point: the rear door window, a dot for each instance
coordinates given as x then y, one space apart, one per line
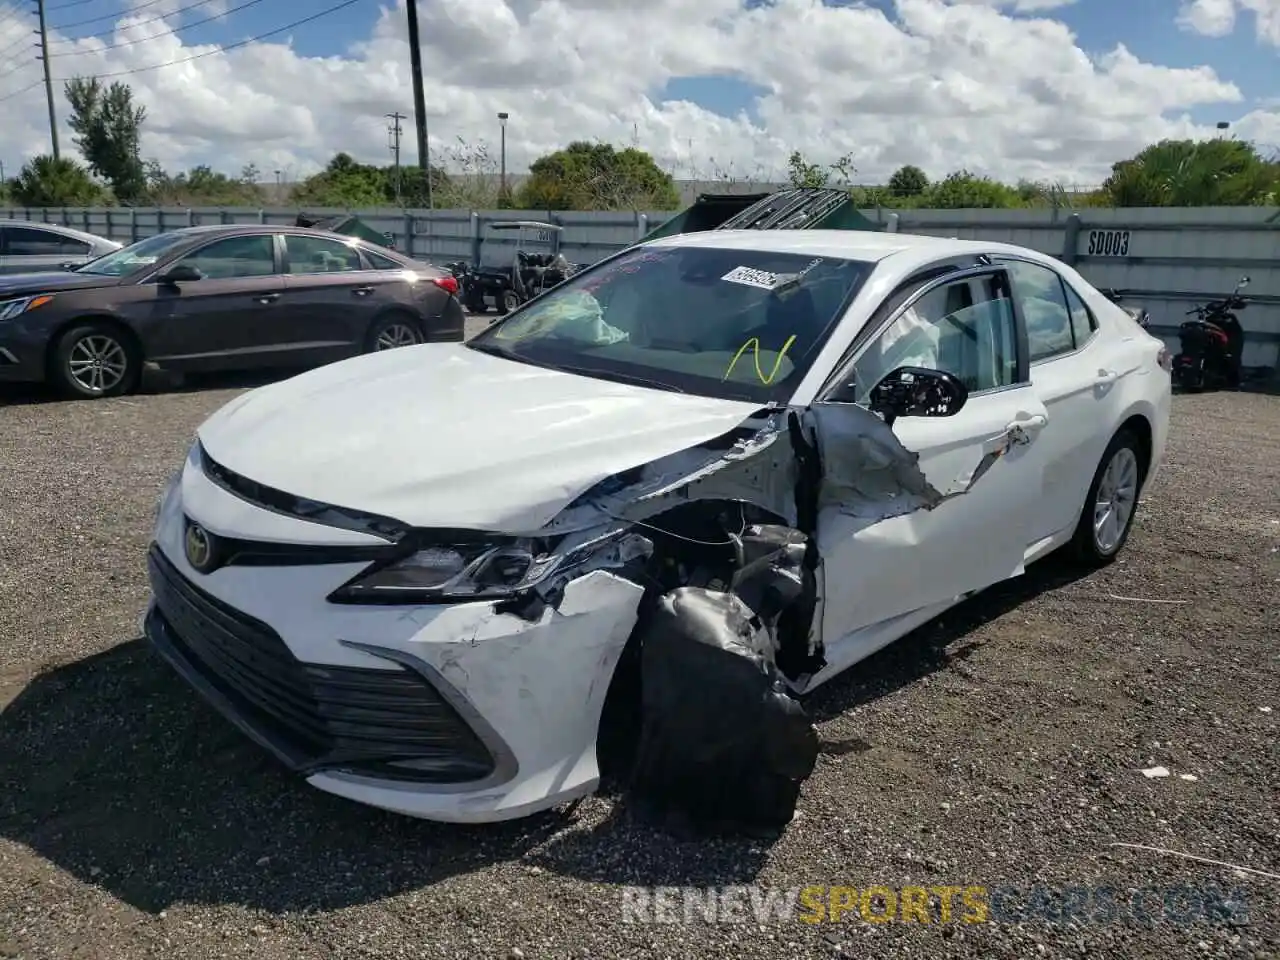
310 255
1042 297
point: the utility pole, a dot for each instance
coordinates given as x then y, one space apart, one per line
395 130
48 81
419 98
502 154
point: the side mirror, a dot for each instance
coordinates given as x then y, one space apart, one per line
1244 282
182 273
918 392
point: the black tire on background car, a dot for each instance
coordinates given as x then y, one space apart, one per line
510 301
393 330
94 359
1112 503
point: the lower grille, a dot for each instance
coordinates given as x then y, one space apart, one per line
391 724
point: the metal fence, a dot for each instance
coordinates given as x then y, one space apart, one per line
437 236
1166 260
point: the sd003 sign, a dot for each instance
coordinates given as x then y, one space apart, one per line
1108 243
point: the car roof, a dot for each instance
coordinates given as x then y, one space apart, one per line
56 228
864 245
213 228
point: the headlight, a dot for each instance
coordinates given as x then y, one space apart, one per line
15 308
490 570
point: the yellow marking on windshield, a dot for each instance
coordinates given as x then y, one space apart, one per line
755 342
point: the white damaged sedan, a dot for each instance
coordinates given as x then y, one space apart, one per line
421 577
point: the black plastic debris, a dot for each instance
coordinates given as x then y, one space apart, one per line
723 747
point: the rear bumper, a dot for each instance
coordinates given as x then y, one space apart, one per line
451 326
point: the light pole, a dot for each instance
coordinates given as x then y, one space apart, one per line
502 155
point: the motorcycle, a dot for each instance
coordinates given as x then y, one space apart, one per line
1211 344
470 290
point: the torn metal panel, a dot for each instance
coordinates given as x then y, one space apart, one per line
722 747
868 472
885 494
753 464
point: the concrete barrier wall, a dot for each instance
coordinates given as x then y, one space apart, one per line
1165 259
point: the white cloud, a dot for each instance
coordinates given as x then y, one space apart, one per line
940 84
1217 18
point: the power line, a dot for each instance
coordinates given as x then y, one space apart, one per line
21 39
16 43
208 53
70 3
17 66
18 93
119 15
168 32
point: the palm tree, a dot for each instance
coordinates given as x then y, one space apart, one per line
46 182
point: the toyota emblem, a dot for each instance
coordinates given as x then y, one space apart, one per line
199 547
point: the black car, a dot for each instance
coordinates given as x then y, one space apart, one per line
218 298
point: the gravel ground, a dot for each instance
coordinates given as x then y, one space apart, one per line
1001 746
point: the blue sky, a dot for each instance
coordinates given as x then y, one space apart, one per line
1146 27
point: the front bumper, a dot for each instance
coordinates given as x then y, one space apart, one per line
22 352
453 712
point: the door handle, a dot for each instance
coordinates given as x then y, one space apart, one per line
1106 377
1023 430
362 291
267 297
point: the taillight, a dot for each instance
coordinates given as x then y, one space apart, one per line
448 284
1165 359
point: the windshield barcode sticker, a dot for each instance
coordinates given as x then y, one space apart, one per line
751 277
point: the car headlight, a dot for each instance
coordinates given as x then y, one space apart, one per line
15 308
491 569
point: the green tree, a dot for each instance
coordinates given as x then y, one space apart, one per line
46 182
595 176
108 131
202 186
1194 173
908 181
803 174
413 186
963 190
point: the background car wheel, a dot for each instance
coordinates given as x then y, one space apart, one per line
510 300
1112 503
93 360
397 330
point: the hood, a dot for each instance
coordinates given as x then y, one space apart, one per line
21 284
440 435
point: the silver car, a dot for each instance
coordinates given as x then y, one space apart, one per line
33 247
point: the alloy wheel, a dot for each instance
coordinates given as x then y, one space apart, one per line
98 363
1117 496
396 335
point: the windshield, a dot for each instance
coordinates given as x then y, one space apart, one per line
735 324
133 257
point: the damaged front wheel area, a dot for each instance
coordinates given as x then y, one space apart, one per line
699 724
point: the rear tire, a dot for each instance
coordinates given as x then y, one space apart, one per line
1112 503
510 301
93 360
391 331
